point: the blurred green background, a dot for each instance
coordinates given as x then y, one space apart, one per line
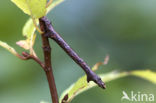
124 29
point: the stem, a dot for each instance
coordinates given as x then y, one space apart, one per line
51 33
47 60
27 56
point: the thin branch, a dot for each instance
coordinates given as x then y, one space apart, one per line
27 56
47 60
51 33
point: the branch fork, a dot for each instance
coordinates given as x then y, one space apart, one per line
48 32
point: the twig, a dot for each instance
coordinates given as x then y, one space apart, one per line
51 33
47 60
27 56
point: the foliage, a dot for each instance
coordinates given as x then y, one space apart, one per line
81 85
9 48
36 9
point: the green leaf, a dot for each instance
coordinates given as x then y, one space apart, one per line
29 28
145 74
81 85
35 8
9 48
29 33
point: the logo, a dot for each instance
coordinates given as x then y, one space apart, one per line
138 96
